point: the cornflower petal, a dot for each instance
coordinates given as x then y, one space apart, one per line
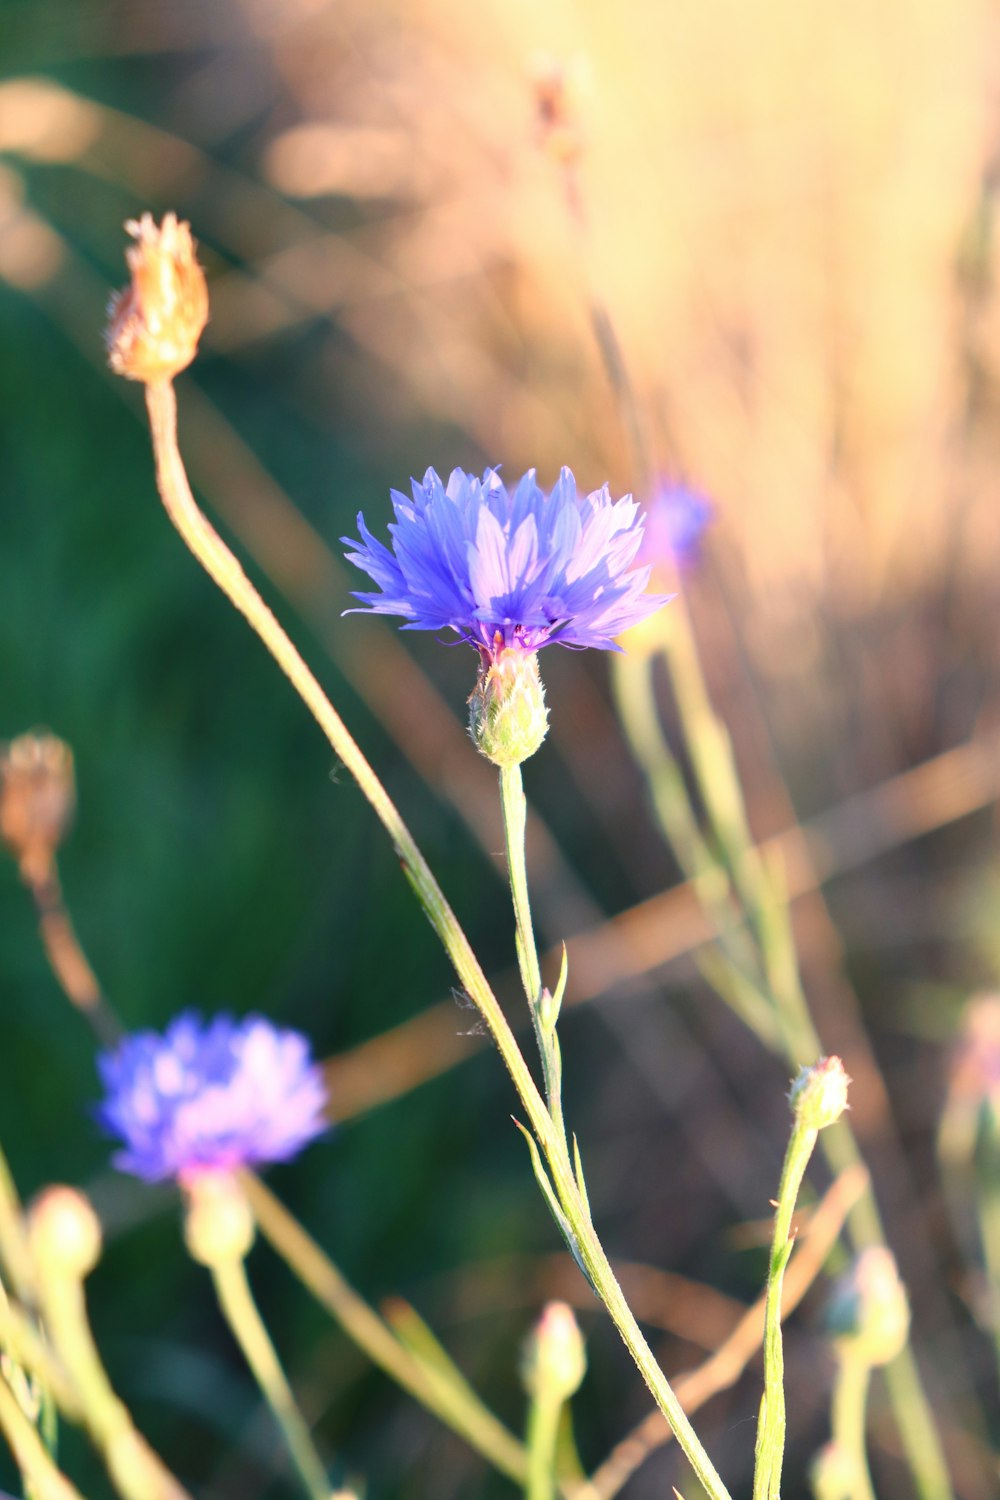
504 568
210 1095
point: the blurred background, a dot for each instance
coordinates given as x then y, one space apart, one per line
420 220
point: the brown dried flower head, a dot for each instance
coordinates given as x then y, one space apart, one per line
37 800
557 88
156 322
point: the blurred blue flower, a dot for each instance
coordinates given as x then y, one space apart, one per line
210 1094
676 518
506 568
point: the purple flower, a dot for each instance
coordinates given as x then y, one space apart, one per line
509 568
676 517
208 1095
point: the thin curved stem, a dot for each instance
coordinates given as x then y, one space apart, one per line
240 1309
223 568
850 1399
216 558
137 1472
771 1424
514 808
41 1476
455 1404
543 1432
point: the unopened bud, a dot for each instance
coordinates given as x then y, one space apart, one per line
64 1233
554 1362
508 719
156 322
818 1096
218 1222
37 800
869 1311
833 1473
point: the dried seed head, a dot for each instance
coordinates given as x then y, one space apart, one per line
557 88
37 800
155 322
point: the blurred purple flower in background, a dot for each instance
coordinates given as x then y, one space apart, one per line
510 568
205 1095
676 519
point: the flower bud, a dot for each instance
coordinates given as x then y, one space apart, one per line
833 1473
37 800
818 1096
554 1362
508 719
156 322
64 1233
218 1223
869 1312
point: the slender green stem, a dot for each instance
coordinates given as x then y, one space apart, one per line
21 1341
794 1032
240 1309
850 1399
542 1436
514 808
136 1471
771 1423
41 1476
15 1256
451 1400
223 568
216 558
988 1209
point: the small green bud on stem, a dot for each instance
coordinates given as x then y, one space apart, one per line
64 1234
219 1223
818 1097
869 1310
554 1362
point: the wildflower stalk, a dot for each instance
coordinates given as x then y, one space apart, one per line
543 1011
223 568
15 1256
987 1195
450 1399
543 1432
785 1024
770 1446
22 1342
241 1313
216 558
850 1400
68 961
42 1479
136 1471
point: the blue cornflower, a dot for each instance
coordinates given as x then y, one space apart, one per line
676 518
507 569
207 1095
